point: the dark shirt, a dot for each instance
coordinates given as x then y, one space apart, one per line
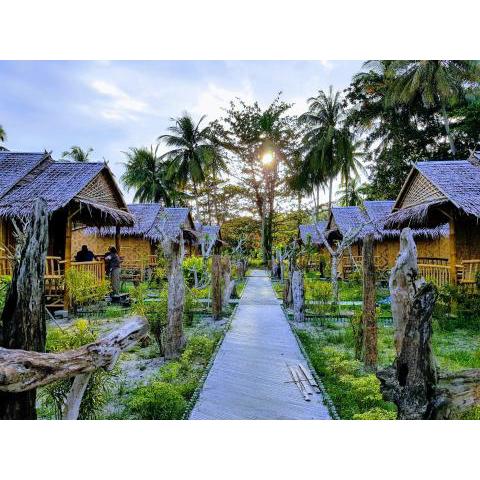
83 256
112 261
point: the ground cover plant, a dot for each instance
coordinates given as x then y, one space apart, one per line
355 392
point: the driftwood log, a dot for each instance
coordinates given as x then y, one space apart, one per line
23 371
23 321
298 293
413 382
369 318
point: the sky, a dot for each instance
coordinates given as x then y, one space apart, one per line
112 106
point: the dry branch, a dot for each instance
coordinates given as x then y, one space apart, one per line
21 370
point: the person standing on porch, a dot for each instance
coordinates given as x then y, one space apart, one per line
113 261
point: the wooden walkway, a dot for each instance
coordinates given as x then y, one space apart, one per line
249 378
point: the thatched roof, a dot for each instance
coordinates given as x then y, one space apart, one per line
373 216
345 220
89 187
151 221
435 187
379 210
15 165
208 236
309 233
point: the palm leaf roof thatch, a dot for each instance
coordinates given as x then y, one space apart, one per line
152 221
435 187
309 233
208 236
15 165
345 221
89 188
378 212
372 219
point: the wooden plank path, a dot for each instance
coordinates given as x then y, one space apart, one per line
250 378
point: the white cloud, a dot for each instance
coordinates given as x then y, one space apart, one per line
118 105
214 99
327 64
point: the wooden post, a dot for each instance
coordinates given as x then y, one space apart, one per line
23 321
369 320
298 293
453 252
216 287
174 338
227 284
68 255
117 239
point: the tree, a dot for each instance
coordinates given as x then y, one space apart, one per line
3 137
148 175
436 82
327 143
77 154
191 152
395 135
258 142
351 194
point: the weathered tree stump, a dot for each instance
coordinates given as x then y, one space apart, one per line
412 382
369 318
216 287
174 336
23 321
227 284
298 293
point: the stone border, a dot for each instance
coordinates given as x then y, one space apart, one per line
196 393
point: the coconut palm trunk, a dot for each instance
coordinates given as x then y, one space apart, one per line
446 124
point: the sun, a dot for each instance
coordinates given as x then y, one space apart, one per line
267 158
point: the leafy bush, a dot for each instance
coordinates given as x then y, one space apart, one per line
198 351
375 414
5 281
84 288
99 386
191 264
255 263
200 292
157 401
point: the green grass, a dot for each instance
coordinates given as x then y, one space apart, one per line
356 393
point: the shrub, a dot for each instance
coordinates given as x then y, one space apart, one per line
5 281
157 401
198 351
99 386
84 288
375 414
191 264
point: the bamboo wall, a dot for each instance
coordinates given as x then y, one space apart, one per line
131 248
467 240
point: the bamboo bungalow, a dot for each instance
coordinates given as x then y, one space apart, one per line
83 193
209 239
445 191
140 242
431 242
308 235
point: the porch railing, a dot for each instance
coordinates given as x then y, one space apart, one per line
97 267
437 274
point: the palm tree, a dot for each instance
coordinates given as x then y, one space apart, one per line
350 165
148 175
77 154
351 194
324 141
3 136
436 82
191 150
